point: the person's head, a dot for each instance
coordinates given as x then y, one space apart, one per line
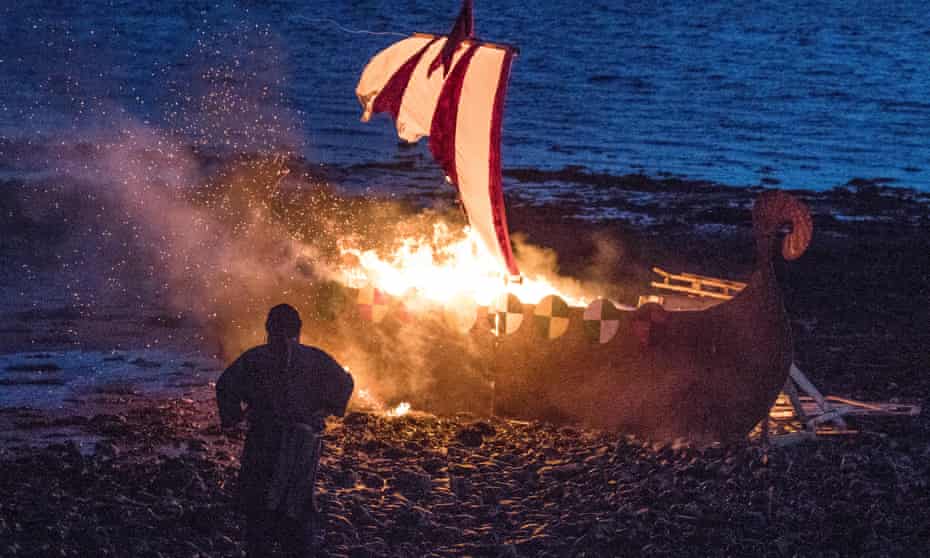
283 324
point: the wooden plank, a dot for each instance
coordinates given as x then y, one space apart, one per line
738 285
874 409
837 432
801 380
694 282
689 290
907 409
704 279
878 408
792 391
661 271
834 415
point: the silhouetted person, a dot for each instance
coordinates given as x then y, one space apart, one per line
288 390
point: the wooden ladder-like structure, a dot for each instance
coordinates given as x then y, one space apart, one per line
697 285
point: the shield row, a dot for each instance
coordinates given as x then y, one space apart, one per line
551 316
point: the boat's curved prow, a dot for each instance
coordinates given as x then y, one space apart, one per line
774 209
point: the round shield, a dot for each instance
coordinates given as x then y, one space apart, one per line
601 321
551 317
372 303
506 314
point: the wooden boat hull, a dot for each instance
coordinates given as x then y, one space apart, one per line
698 375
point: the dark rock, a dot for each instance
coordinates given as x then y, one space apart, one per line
37 367
462 469
346 478
356 420
361 515
372 480
412 482
561 472
395 452
31 382
74 420
434 465
196 445
110 425
460 486
105 450
202 518
362 552
144 363
473 434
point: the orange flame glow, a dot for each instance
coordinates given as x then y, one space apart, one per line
442 268
367 401
400 410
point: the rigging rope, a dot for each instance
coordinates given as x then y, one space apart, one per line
341 27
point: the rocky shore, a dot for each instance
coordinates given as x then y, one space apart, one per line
160 482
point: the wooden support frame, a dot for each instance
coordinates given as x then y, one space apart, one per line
824 415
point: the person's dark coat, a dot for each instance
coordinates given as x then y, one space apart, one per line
280 385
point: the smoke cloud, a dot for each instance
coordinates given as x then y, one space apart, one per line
215 218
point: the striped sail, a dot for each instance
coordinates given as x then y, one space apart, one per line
461 111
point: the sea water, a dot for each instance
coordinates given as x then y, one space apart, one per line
71 379
798 94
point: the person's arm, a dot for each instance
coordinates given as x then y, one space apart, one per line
339 386
232 392
341 399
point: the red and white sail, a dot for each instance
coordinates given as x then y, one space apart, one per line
451 89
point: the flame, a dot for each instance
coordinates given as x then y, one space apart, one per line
368 401
400 410
442 268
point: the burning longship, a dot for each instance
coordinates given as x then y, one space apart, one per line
709 375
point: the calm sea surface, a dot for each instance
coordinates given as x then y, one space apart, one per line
802 94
